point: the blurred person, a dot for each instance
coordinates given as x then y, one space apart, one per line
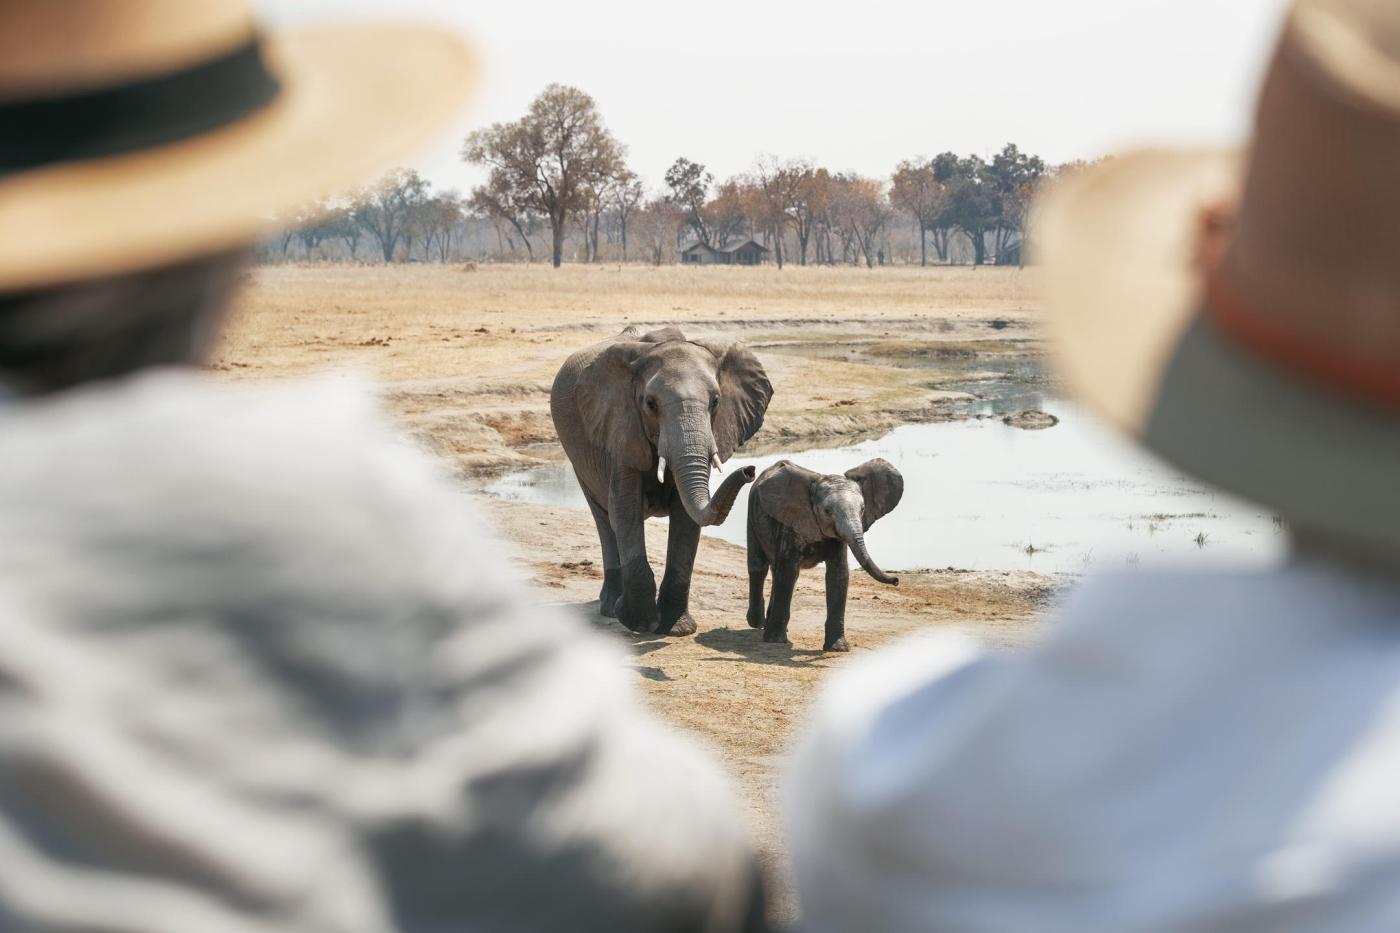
261 667
1185 750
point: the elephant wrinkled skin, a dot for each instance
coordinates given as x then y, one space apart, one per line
799 518
643 418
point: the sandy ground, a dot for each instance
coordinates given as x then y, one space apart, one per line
467 355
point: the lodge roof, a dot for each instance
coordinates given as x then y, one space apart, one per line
732 248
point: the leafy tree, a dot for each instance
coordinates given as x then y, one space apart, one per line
550 160
688 187
973 206
387 208
916 190
344 226
1015 177
731 214
323 222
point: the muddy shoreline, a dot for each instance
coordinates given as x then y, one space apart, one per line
945 389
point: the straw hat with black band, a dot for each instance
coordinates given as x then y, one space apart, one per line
1239 313
146 132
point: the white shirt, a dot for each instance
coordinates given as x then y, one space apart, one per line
1183 751
264 670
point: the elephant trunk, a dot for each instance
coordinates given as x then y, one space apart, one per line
693 483
688 446
851 533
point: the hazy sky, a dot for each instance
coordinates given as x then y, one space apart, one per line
857 85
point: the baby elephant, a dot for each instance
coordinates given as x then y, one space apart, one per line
797 519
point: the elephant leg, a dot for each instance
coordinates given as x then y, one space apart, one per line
636 607
612 565
758 575
838 578
682 541
775 627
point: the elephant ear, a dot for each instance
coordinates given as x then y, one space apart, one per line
784 494
606 399
744 392
880 485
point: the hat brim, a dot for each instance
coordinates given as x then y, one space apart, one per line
353 99
1118 244
1127 335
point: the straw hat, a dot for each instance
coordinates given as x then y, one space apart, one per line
1239 313
150 131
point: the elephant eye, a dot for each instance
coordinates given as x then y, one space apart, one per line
714 403
651 405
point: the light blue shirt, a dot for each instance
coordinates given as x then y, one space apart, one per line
1182 752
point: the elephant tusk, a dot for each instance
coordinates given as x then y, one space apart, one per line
714 462
661 469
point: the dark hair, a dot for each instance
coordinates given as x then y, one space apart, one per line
60 336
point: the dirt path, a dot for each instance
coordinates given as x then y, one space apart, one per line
467 357
725 685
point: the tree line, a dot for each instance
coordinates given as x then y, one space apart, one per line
558 184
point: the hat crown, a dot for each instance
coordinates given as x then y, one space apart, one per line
1356 43
55 47
1316 249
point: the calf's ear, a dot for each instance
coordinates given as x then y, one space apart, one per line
881 486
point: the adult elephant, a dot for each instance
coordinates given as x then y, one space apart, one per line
643 418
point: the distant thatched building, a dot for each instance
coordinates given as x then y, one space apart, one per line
746 253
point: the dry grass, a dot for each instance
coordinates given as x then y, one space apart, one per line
468 353
516 295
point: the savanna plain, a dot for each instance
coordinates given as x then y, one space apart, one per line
466 355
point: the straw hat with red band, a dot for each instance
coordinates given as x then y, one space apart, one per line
149 131
1239 313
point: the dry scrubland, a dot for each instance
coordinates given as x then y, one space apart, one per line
468 353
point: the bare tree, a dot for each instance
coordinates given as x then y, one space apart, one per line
655 226
549 159
439 217
862 210
627 194
778 188
496 201
812 198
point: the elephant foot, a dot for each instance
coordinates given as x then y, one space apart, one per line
637 623
637 615
755 621
610 594
636 606
837 645
683 626
776 638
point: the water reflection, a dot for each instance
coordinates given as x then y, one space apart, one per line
985 496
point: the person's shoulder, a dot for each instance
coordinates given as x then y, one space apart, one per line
178 470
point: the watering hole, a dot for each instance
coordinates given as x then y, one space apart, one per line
984 495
